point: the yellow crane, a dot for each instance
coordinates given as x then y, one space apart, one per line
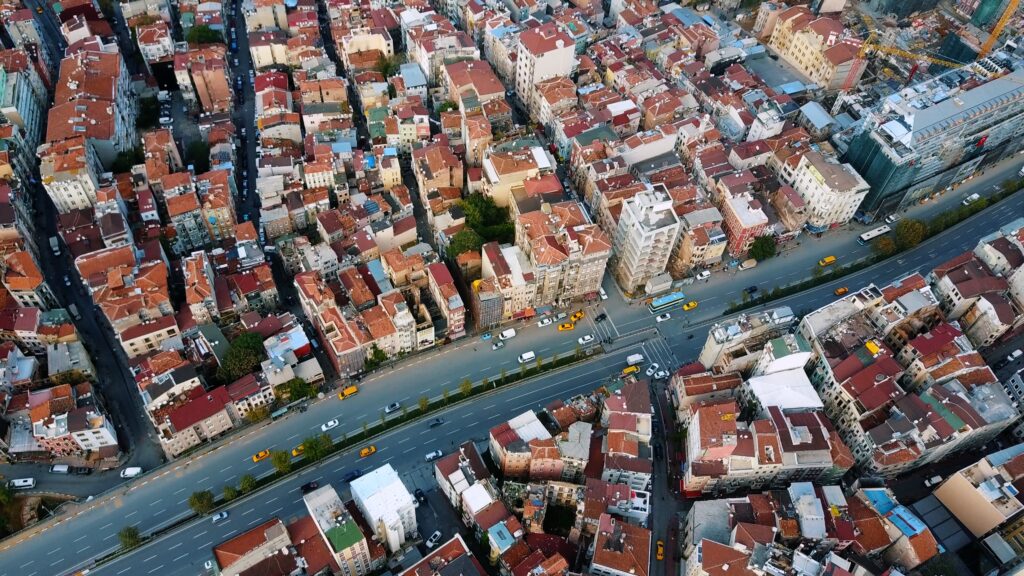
993 36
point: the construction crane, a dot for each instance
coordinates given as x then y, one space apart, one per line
993 36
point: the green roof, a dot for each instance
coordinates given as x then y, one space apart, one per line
376 114
344 536
216 339
599 132
941 410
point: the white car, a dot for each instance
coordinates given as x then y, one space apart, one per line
703 274
329 425
431 456
434 539
544 322
392 408
652 369
661 375
219 516
583 341
663 317
604 295
497 345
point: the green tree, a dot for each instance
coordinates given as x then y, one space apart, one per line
816 272
884 246
485 383
230 493
465 240
71 377
149 113
377 357
445 394
198 155
125 160
201 34
247 483
282 461
243 357
539 364
317 447
388 67
6 494
201 502
424 403
383 419
296 389
487 219
503 376
763 248
257 414
447 106
366 427
129 537
579 351
909 233
466 387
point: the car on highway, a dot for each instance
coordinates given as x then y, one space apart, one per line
663 317
131 472
544 322
660 554
485 336
352 475
750 289
434 455
298 450
309 487
498 345
577 316
652 369
371 449
329 425
219 516
418 493
841 290
661 375
566 326
584 340
690 305
261 455
436 422
434 539
392 408
703 274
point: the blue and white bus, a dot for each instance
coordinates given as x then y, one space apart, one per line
662 303
871 235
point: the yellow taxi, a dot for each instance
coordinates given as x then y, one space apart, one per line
661 550
367 451
690 305
298 450
841 290
261 455
577 316
566 327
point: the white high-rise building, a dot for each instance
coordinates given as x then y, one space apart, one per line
644 238
387 505
544 52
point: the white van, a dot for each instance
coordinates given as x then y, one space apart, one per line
507 334
22 483
527 357
131 472
60 469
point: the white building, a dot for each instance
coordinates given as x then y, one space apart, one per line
644 238
387 505
339 530
544 52
832 191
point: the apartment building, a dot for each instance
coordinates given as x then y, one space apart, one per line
544 52
645 235
819 47
387 505
349 548
70 171
831 191
446 295
982 495
744 221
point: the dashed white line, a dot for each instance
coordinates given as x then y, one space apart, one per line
81 538
160 512
255 521
108 525
160 567
175 546
125 570
409 450
276 511
83 550
29 563
155 502
130 514
198 535
248 511
176 492
150 558
180 557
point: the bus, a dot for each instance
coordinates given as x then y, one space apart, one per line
871 235
662 303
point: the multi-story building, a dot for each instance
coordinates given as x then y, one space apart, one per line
23 99
387 505
544 52
937 133
446 295
736 345
976 297
190 420
621 549
510 444
199 294
508 284
349 547
982 496
744 221
832 191
186 216
818 47
647 231
702 242
70 171
24 281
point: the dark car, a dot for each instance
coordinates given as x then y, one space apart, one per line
420 495
309 487
751 289
436 422
601 317
81 470
353 475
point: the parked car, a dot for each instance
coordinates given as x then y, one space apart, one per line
431 456
663 317
893 218
703 274
652 369
498 345
131 472
544 322
661 375
661 550
1014 355
434 539
933 481
418 493
392 408
485 336
604 295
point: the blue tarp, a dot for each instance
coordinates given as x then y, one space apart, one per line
880 500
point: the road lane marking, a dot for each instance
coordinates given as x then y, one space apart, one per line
225 469
409 450
293 436
180 557
160 567
130 514
81 538
108 525
176 492
198 535
83 550
29 563
161 511
150 558
207 545
175 546
276 511
125 570
248 511
204 479
155 502
403 440
255 521
109 536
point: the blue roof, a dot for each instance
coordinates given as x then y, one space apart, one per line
371 161
880 500
1004 456
686 16
341 147
412 75
391 151
792 87
906 521
501 537
816 114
